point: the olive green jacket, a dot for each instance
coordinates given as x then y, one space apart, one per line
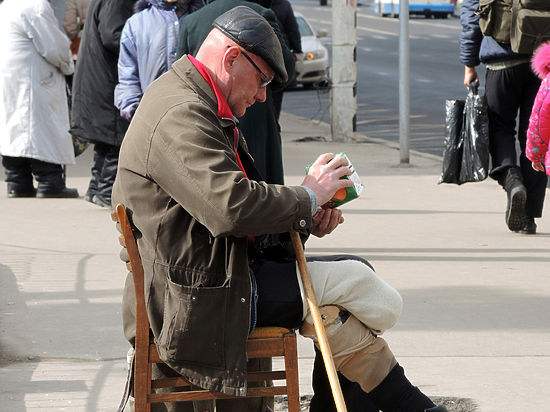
193 208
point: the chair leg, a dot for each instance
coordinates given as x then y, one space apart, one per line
142 387
291 371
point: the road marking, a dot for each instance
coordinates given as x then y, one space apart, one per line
381 32
389 118
411 22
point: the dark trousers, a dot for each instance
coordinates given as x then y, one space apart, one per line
20 171
104 170
510 94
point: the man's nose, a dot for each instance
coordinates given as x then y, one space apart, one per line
261 95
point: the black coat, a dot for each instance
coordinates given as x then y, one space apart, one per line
289 25
259 124
94 115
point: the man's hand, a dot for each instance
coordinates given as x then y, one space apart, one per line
470 75
325 176
325 221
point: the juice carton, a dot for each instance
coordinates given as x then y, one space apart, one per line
346 194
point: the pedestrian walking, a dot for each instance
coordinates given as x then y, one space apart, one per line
34 116
510 89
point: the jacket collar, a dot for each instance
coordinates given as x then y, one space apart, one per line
224 111
190 75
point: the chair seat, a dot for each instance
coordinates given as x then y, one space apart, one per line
269 332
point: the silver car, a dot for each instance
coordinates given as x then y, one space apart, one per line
313 67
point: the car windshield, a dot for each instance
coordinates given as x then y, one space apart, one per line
305 29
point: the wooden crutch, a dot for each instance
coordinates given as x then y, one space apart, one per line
318 323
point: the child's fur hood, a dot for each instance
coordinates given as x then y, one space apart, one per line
541 60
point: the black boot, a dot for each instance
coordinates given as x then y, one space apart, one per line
62 192
18 176
530 227
397 394
102 201
51 180
517 195
17 192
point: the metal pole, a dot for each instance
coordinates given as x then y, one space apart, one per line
343 113
404 86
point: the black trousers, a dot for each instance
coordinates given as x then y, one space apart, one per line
510 94
104 170
20 172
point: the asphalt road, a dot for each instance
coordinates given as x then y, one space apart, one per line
435 75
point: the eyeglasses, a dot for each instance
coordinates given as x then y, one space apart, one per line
265 79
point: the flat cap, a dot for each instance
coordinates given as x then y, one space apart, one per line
254 34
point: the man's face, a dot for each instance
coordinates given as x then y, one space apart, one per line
249 82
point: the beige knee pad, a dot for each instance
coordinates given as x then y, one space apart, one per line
358 354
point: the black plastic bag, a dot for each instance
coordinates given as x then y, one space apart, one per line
475 136
452 151
466 147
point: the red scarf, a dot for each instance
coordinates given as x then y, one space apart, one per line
224 111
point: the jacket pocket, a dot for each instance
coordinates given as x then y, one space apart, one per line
193 327
48 79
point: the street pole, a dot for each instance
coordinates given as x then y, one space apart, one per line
343 94
404 86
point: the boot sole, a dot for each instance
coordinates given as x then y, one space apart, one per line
16 195
515 213
58 195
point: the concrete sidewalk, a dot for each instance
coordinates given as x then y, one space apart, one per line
476 296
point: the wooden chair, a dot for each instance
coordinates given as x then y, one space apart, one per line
263 343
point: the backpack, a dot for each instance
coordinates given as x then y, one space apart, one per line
524 24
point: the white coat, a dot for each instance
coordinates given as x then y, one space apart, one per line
34 57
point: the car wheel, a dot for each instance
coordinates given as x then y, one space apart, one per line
393 14
381 10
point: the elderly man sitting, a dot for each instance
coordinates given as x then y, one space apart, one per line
212 235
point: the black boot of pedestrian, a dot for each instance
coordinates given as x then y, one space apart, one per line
530 227
517 196
18 176
102 201
397 394
19 192
51 181
63 192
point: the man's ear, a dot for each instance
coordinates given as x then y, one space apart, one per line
229 57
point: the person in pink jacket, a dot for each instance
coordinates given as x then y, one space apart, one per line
538 134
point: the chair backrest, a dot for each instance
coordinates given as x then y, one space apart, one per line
264 343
